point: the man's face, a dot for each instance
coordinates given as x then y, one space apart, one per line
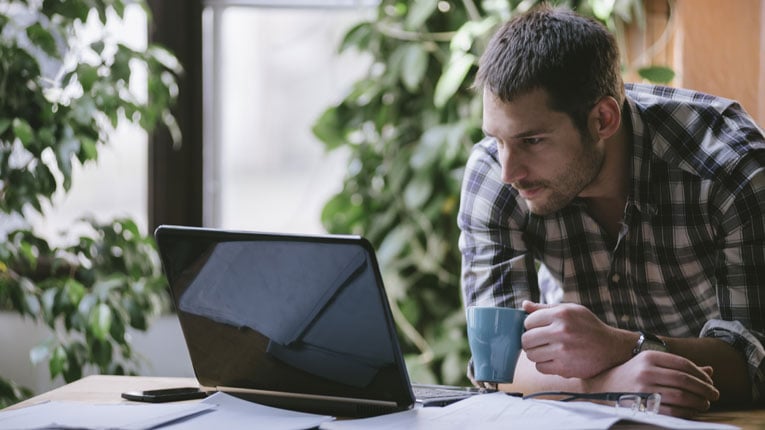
543 155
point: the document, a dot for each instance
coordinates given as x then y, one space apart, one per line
499 411
232 413
77 415
219 411
487 412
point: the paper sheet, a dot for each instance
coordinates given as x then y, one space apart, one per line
499 411
78 415
232 413
221 411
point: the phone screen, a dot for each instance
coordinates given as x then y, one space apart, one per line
165 395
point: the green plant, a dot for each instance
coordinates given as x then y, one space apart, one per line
64 87
11 392
409 126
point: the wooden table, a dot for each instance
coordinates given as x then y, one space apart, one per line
107 389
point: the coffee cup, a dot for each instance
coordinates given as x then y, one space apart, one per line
494 336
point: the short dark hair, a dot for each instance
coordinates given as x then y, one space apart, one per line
574 58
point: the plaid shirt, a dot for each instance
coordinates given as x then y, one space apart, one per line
690 258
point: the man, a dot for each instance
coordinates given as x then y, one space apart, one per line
643 209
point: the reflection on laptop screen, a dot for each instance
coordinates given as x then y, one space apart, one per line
292 321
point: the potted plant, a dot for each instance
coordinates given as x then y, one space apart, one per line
61 96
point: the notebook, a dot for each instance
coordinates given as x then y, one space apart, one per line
294 321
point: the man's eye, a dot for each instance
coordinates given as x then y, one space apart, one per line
531 140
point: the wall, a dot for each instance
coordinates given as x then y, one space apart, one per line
720 49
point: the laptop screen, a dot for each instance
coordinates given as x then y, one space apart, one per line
286 317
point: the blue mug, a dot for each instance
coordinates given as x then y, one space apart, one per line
494 335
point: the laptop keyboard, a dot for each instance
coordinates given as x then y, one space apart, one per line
433 393
436 392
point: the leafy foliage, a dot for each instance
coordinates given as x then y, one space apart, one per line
88 294
10 393
65 84
409 125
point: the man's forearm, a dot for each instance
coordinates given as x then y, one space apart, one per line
528 380
730 375
730 371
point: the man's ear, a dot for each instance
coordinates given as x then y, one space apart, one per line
605 117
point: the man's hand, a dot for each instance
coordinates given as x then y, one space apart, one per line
570 341
686 389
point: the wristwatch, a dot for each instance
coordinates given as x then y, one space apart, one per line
649 342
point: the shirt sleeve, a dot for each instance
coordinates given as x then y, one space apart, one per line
741 272
497 269
745 341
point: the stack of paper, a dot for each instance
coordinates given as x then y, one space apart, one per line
486 412
76 415
217 411
499 411
233 413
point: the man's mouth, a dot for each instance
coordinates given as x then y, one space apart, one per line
528 192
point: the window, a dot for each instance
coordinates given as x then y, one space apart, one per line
269 72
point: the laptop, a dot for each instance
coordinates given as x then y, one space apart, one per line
294 321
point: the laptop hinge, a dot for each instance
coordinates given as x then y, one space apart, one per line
305 396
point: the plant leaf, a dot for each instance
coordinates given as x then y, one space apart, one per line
357 37
75 291
43 39
57 362
413 66
328 129
602 9
4 124
419 12
65 151
100 321
101 352
418 191
88 75
23 131
394 243
72 9
458 67
430 147
657 74
467 34
161 56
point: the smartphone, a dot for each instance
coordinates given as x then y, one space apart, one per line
165 395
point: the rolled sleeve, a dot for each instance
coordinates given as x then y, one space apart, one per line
748 343
497 269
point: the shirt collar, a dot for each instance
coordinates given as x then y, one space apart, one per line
642 156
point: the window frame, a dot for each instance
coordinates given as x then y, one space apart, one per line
178 176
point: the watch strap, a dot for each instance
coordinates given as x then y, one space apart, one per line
649 341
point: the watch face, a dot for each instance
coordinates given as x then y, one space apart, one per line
649 345
649 342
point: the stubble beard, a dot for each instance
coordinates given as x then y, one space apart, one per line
571 180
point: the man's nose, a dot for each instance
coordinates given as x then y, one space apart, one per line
513 169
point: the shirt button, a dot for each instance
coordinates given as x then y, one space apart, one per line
615 278
625 319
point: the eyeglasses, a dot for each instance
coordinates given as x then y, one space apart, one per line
631 403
